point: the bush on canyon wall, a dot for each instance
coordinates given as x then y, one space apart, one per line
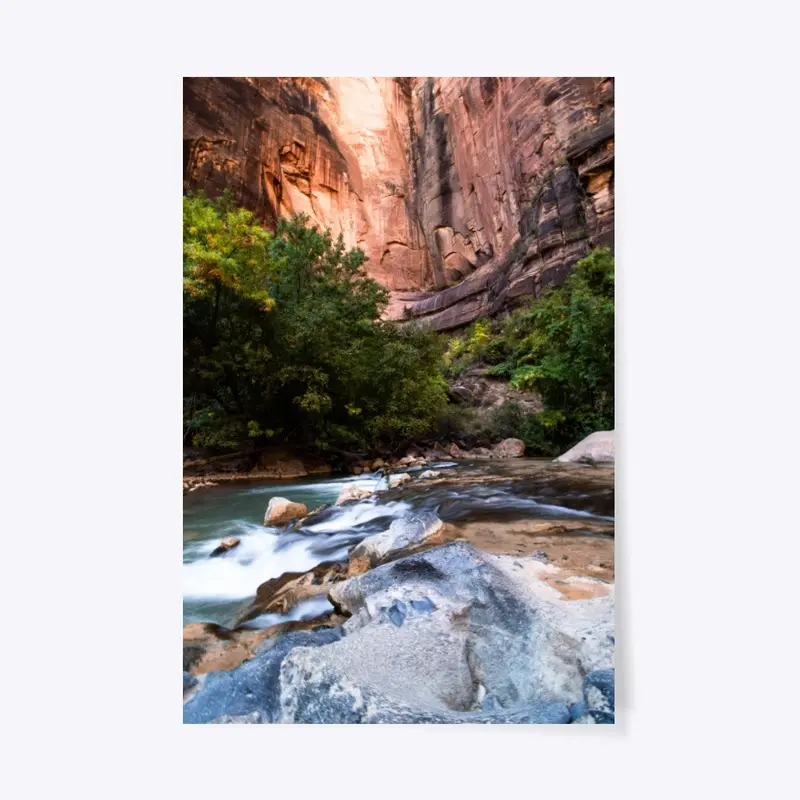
283 340
560 345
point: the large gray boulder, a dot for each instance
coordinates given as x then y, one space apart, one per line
446 636
596 448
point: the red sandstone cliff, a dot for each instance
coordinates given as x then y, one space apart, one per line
466 193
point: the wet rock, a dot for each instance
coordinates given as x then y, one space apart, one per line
403 534
429 473
528 648
597 448
279 595
378 463
281 510
208 647
540 555
509 448
352 492
228 543
597 705
253 687
398 480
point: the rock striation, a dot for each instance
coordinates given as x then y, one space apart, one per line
467 194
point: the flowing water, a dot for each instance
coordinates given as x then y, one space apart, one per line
214 589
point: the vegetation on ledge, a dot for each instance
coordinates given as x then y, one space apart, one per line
560 345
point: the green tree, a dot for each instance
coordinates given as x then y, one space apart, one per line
562 346
284 341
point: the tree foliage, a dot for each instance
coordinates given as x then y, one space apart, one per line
283 339
562 346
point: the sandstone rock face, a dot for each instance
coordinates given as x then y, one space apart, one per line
281 510
467 194
597 448
485 392
334 148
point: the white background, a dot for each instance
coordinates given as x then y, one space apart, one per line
706 186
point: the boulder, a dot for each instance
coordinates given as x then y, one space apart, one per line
378 463
398 480
596 448
352 492
509 448
403 534
228 543
429 473
281 510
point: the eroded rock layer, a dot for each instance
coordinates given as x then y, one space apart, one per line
467 194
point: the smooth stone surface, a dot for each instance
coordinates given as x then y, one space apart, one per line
253 686
596 448
281 510
403 533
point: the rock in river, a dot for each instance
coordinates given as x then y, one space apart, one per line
398 480
596 448
352 492
228 543
281 510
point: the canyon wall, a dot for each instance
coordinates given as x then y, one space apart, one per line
467 194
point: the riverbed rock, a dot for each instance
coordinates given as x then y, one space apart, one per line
398 480
404 657
228 543
378 463
280 510
403 534
208 647
352 492
509 448
279 595
253 688
429 474
596 448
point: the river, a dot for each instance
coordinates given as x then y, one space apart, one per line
215 589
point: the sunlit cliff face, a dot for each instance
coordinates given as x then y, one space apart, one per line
481 190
